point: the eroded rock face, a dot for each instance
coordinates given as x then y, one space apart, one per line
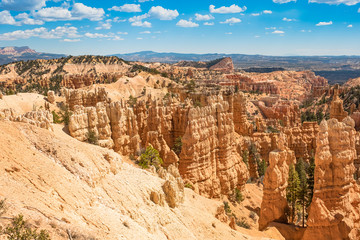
335 208
208 158
242 126
91 120
84 98
173 186
285 111
274 204
39 118
336 108
51 96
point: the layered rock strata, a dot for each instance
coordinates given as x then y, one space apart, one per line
335 208
274 204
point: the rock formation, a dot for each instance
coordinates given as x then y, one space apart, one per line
335 208
84 98
39 118
336 108
51 96
274 204
208 158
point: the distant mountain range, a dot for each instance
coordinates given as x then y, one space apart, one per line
254 61
13 54
337 69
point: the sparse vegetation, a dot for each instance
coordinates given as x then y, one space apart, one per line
19 229
227 207
132 101
150 157
243 223
238 195
292 191
92 138
177 146
188 185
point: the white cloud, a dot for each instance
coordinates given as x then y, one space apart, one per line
25 19
200 17
255 14
283 1
278 32
208 23
71 40
288 19
228 33
141 24
78 12
186 24
336 2
6 18
22 5
350 26
231 21
267 12
110 36
162 13
122 33
141 1
232 9
53 14
106 25
138 18
59 32
127 8
324 23
139 38
271 28
359 10
145 32
305 31
81 11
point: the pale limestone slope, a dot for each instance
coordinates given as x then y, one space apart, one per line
60 182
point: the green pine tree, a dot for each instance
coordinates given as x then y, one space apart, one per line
292 191
303 193
311 179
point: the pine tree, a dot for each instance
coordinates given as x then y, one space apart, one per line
303 193
292 190
311 179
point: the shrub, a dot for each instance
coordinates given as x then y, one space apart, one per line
177 146
19 230
188 185
92 137
197 104
56 117
132 101
150 157
242 223
238 195
227 207
65 114
2 207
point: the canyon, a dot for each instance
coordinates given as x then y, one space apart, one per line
227 141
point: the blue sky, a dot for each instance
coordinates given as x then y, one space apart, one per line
270 27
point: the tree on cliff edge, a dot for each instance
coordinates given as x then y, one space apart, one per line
292 190
303 192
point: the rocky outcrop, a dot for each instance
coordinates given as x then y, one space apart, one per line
85 98
335 208
39 118
241 125
225 65
51 96
336 107
173 186
274 204
87 121
302 139
208 158
286 111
